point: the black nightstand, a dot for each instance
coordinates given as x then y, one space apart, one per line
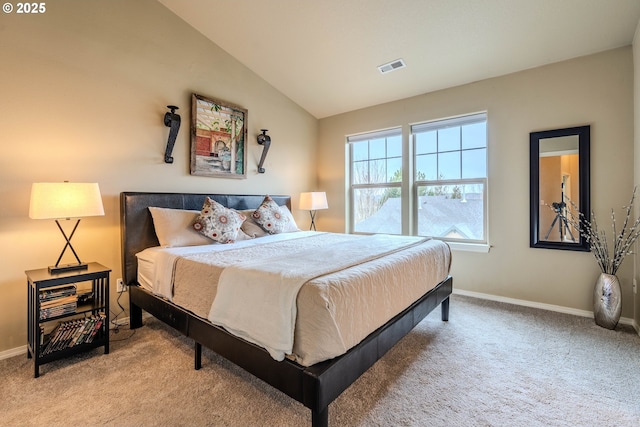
74 306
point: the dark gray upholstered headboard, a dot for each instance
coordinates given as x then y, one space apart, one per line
136 224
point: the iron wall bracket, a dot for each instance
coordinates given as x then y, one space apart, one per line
171 120
265 141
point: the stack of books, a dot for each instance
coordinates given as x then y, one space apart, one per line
58 301
73 332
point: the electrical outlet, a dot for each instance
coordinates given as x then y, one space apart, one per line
120 286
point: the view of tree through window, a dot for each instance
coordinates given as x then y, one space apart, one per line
451 157
448 182
376 177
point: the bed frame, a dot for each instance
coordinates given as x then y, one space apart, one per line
314 386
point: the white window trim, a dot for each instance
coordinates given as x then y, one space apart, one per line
409 186
469 247
449 122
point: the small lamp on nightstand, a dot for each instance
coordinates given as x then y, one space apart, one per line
313 202
65 200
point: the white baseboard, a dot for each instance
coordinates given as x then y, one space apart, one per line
550 307
12 352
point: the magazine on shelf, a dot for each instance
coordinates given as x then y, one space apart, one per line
60 310
58 301
53 293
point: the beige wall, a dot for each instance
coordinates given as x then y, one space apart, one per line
595 90
83 92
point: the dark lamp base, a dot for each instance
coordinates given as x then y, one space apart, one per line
54 269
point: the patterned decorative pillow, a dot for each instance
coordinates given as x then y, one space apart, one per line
253 230
217 222
270 217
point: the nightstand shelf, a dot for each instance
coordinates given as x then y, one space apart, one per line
85 326
82 309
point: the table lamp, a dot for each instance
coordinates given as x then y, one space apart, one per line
65 200
312 202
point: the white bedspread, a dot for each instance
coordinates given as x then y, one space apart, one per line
256 300
158 274
335 311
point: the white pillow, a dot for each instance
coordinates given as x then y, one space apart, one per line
174 227
291 224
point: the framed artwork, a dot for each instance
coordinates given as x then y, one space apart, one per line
218 138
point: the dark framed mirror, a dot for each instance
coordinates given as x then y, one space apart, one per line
559 187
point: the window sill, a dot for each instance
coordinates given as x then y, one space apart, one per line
469 247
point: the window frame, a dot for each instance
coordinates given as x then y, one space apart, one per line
409 185
369 136
435 125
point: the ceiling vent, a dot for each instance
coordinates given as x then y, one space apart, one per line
391 66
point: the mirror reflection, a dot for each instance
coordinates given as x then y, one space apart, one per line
559 186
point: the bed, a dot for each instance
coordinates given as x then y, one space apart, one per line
316 384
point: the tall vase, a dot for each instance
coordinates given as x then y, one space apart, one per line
607 301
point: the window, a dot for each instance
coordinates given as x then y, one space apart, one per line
447 184
451 178
376 180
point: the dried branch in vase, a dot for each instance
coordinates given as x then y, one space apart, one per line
622 241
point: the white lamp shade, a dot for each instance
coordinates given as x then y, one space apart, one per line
313 201
56 200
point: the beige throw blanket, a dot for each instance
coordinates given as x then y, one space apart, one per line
256 300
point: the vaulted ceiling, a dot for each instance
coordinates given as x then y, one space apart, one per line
323 54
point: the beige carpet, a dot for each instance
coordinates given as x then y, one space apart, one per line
492 364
